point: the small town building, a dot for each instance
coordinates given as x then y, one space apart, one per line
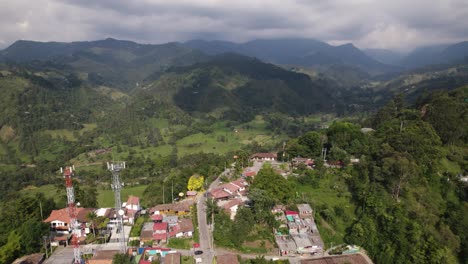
304 210
180 208
153 253
191 194
60 221
185 228
160 232
103 257
263 157
232 206
227 259
172 258
146 233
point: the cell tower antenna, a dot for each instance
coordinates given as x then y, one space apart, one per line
71 210
115 168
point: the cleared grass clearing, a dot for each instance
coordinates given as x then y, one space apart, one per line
106 196
70 134
332 193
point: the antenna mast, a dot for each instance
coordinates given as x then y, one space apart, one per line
76 230
116 185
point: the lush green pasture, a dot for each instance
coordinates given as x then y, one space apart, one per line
332 197
106 196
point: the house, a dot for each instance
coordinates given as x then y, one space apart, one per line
60 221
160 232
179 208
249 173
171 220
286 245
172 258
219 194
229 190
304 210
131 208
157 218
227 259
231 207
191 194
103 257
151 253
146 233
263 157
185 228
133 203
351 259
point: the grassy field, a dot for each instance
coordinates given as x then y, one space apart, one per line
49 191
69 134
331 193
180 243
106 197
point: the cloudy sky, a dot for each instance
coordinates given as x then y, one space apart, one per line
394 24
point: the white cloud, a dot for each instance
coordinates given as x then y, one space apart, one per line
396 24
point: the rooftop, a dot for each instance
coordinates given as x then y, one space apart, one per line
227 259
263 155
160 226
179 207
133 200
172 258
342 259
62 215
304 207
105 254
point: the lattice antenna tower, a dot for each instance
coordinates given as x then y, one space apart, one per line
71 210
116 185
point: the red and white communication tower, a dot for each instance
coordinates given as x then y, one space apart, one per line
76 230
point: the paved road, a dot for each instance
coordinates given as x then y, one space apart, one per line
61 255
206 241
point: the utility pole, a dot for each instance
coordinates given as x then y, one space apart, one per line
45 247
116 185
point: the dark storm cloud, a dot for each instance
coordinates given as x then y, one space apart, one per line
367 23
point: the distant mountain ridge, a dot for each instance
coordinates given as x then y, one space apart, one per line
120 63
299 52
440 54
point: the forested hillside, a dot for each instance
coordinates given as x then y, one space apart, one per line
411 206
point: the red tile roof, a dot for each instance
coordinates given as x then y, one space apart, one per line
160 226
291 213
232 203
157 217
160 236
250 173
179 207
186 225
219 193
133 200
240 182
227 259
231 187
62 215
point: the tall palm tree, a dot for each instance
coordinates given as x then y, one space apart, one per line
91 216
